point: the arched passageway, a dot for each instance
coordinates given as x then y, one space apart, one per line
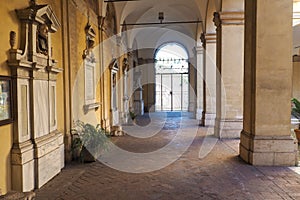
171 78
61 69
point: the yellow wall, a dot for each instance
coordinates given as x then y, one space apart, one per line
8 22
77 36
296 80
77 20
5 146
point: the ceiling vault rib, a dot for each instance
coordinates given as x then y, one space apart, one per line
161 23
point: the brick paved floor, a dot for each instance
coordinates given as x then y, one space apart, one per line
220 175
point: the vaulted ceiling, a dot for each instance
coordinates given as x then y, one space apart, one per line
146 11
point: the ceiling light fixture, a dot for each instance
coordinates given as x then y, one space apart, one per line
161 16
161 23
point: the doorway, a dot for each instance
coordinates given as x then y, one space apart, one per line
171 78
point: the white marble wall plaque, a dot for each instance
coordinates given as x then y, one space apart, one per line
90 76
41 108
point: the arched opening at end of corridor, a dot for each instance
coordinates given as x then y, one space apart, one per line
171 78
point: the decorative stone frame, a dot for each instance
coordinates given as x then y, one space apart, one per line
114 68
38 148
10 113
89 71
126 114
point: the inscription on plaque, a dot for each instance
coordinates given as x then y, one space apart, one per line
89 82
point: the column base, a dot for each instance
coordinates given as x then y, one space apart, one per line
22 158
228 128
199 113
209 119
192 107
268 150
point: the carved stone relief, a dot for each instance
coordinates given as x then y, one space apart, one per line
35 72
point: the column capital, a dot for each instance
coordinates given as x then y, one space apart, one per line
217 20
210 37
228 18
199 50
202 38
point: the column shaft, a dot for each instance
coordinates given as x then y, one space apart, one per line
266 137
200 84
210 78
230 62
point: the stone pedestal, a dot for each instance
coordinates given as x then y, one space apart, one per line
229 77
49 157
228 128
266 137
23 167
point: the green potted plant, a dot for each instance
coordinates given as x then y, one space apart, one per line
88 141
132 115
296 114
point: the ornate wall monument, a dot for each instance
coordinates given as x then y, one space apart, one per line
89 71
38 149
114 68
126 114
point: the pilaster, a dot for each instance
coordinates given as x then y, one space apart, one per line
200 84
229 75
209 113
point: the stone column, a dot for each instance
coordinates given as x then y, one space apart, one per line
266 136
230 62
138 103
210 78
200 84
193 83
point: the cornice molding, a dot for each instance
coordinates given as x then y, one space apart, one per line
210 38
228 18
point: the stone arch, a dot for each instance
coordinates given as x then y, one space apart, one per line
162 45
209 24
110 21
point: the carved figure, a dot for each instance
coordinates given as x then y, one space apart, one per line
42 39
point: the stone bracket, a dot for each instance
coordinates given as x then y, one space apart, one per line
93 106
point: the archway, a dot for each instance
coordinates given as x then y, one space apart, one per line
171 78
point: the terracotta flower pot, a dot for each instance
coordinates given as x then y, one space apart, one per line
87 156
297 133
